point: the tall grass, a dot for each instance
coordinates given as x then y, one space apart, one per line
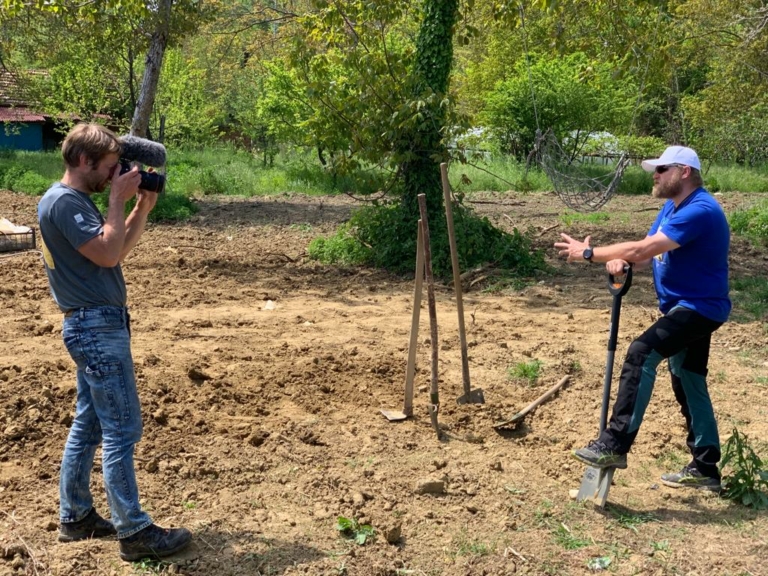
228 170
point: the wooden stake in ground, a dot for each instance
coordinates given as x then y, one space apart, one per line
410 371
434 397
469 396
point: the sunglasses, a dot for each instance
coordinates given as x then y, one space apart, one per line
662 169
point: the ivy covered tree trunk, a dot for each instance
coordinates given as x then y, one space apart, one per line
431 76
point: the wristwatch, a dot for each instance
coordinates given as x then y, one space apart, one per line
587 254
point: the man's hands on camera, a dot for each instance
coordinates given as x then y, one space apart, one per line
145 200
123 187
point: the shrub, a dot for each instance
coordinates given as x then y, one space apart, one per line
31 183
385 236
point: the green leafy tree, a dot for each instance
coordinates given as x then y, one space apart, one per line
572 96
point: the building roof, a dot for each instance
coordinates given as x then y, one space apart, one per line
12 92
19 114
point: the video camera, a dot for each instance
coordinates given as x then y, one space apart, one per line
144 151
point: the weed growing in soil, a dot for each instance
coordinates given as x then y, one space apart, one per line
631 520
565 537
526 371
748 482
352 529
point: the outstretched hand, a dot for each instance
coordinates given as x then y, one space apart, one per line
572 248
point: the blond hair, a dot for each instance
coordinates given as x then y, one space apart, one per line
93 141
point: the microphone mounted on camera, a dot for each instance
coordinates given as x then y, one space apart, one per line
143 151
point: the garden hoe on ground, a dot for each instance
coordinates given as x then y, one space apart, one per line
596 482
517 420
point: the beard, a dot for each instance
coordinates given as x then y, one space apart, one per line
668 189
96 184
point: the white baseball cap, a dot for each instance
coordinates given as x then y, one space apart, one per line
673 155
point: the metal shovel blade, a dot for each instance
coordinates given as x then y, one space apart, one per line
394 415
595 485
472 397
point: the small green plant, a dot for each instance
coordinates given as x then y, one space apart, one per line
567 539
466 546
189 505
352 529
748 481
671 459
526 371
660 546
631 520
147 566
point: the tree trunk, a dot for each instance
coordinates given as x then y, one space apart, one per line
431 74
153 65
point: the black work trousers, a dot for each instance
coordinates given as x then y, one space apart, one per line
683 337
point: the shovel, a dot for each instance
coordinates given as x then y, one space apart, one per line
396 415
596 482
470 396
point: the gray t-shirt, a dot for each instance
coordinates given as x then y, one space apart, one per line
68 219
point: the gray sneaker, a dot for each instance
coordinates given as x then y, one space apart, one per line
690 477
598 455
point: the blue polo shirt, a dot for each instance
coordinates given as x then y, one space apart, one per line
68 219
695 275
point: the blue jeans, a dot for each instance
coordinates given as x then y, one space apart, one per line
108 411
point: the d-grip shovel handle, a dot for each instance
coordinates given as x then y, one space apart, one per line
620 288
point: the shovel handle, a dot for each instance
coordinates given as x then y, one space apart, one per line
620 288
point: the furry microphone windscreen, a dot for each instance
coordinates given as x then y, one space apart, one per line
142 150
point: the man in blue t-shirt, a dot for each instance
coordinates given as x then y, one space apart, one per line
687 246
82 252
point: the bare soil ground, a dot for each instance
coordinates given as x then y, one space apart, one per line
262 423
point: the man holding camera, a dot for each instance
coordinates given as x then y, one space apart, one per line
82 253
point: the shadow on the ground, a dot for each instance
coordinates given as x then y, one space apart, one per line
699 511
244 553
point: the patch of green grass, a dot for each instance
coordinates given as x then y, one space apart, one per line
736 178
672 459
543 512
466 546
497 174
565 537
750 298
189 505
631 520
570 218
526 371
660 546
